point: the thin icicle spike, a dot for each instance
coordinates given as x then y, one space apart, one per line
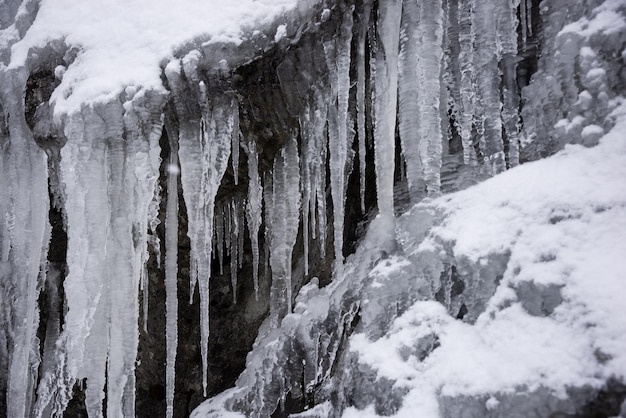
171 275
268 209
360 96
234 245
235 143
253 209
241 221
309 185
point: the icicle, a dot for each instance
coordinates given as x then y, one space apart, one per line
409 99
234 245
268 213
109 190
240 238
360 97
235 142
468 99
523 10
338 62
386 82
309 186
529 16
171 275
204 153
430 53
97 345
319 168
228 235
24 234
507 42
284 228
488 84
219 235
253 209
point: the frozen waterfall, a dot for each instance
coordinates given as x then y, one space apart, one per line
287 139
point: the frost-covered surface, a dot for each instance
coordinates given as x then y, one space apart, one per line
134 36
296 112
580 73
550 323
554 321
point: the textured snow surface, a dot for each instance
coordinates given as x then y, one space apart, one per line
563 224
122 42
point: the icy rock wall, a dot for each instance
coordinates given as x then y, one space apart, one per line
277 140
580 74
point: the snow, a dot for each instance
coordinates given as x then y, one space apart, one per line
606 19
134 36
563 224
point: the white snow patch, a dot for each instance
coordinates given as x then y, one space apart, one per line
281 32
122 42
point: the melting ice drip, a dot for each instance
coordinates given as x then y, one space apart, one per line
439 60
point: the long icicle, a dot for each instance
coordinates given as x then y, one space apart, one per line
360 97
171 273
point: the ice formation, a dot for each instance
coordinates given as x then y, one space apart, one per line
435 94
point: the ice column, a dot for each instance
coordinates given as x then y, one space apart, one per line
409 97
253 209
386 82
285 213
338 62
507 54
488 84
429 75
24 234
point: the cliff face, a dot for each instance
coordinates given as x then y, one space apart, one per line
253 193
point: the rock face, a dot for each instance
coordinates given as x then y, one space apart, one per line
257 169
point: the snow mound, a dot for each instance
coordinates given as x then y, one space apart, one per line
553 319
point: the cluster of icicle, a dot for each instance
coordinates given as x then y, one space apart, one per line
107 197
435 67
442 61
